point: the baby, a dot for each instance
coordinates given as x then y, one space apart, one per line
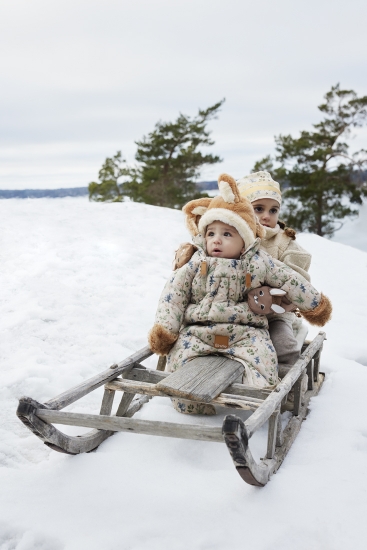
265 196
223 241
203 309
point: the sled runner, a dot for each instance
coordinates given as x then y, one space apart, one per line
210 379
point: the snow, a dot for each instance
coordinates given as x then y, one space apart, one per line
354 230
80 283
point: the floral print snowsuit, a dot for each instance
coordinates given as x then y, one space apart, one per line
198 307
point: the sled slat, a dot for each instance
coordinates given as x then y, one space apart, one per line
274 400
132 386
70 396
310 372
123 424
107 402
297 394
316 365
125 402
136 405
248 391
272 434
224 399
146 375
294 425
161 365
279 436
153 376
202 379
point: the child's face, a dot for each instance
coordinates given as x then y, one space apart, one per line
223 241
267 211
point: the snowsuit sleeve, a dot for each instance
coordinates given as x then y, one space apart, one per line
314 306
172 304
297 258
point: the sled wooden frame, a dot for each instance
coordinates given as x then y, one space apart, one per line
134 379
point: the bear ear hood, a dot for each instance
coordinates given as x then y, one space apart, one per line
193 211
228 207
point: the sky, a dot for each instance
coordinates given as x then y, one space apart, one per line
81 80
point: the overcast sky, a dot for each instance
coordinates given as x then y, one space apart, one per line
82 79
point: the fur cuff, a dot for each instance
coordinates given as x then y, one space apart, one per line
321 314
161 340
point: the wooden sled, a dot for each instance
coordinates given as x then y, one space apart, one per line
212 382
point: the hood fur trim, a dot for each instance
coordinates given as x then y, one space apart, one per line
321 314
230 218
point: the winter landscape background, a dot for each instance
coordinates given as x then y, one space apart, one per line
80 284
80 281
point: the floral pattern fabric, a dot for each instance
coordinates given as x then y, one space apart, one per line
198 307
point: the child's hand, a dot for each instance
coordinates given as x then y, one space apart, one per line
265 300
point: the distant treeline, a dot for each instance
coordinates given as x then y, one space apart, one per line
41 193
73 192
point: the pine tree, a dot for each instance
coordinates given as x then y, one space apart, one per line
320 179
169 161
109 188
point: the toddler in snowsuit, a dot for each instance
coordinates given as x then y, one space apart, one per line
203 309
265 196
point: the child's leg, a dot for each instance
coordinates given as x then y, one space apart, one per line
192 407
282 336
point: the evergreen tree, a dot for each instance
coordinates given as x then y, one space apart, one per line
320 179
168 164
109 188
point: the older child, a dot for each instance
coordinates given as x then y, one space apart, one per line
265 196
203 309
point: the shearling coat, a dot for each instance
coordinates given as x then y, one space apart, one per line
195 307
281 245
284 248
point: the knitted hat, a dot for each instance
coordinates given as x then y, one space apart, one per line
227 207
259 185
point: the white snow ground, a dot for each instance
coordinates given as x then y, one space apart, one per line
79 287
354 230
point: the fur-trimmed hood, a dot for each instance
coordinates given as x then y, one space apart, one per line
200 244
228 207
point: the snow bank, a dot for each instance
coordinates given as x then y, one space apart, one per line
80 283
354 231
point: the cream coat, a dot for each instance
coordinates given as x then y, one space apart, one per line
284 248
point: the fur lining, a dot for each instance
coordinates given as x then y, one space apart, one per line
199 210
161 340
321 314
231 186
226 192
260 230
231 218
191 210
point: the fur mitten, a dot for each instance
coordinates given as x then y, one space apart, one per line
321 314
161 340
